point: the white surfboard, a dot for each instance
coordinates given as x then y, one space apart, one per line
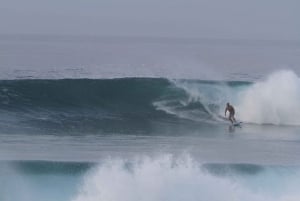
238 123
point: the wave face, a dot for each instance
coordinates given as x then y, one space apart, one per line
109 105
139 104
80 104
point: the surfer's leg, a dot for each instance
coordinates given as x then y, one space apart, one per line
231 118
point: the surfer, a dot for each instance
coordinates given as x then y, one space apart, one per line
231 111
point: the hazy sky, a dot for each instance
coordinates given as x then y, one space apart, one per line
243 19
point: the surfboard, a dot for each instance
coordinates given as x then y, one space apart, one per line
237 123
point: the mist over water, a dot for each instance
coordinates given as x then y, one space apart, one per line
56 57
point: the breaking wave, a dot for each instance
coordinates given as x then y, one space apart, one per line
139 103
166 178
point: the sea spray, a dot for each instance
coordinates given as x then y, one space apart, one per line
161 179
275 100
166 178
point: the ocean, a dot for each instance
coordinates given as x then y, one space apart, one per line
142 119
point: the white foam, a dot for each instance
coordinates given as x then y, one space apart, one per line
166 179
205 93
275 100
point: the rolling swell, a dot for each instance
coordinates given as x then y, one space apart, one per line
70 93
79 105
108 105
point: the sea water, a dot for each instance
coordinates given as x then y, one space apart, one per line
84 119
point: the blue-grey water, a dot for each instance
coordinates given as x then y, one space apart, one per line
104 118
